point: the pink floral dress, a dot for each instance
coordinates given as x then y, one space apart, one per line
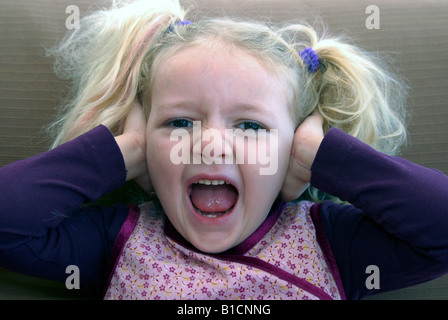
288 257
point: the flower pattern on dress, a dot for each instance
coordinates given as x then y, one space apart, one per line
153 266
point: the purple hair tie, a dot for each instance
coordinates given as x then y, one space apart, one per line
178 23
311 59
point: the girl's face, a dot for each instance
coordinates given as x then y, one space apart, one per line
201 151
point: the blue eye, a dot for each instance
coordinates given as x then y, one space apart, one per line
250 125
180 123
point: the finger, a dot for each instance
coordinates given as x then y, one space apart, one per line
316 112
135 119
317 117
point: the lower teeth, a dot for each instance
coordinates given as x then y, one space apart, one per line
208 215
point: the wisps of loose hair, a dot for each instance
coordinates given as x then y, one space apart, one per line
102 60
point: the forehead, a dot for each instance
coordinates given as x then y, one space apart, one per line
217 69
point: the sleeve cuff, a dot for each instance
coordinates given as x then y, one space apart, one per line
331 159
101 144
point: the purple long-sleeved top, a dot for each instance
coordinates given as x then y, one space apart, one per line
398 219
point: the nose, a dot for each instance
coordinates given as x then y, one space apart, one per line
211 145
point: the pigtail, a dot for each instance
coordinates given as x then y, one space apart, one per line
354 92
102 60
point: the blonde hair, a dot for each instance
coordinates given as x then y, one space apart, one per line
111 60
102 60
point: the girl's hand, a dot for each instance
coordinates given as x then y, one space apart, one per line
307 139
132 143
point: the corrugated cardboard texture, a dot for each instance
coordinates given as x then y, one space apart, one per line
415 32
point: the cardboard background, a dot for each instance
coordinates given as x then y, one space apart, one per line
414 31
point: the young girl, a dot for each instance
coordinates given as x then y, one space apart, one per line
145 80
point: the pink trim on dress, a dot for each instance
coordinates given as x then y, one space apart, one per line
123 235
326 248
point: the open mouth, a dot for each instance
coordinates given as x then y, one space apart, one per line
213 198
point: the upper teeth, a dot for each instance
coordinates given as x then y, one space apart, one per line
212 182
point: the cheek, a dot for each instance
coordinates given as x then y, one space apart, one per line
273 153
267 177
160 167
166 157
284 150
279 157
153 157
284 163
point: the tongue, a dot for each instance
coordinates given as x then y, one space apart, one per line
213 199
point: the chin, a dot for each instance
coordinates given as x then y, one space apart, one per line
213 244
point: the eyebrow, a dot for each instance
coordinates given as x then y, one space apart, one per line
256 109
243 107
169 107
